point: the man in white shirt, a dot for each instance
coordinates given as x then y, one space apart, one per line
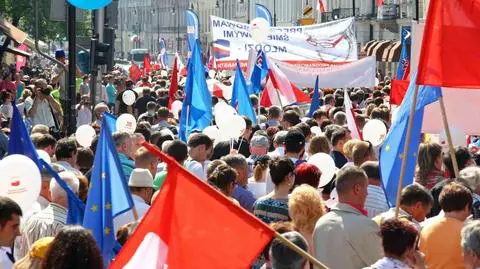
9 230
43 104
278 144
415 204
52 219
200 149
141 187
376 202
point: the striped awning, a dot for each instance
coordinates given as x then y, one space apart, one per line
383 50
392 52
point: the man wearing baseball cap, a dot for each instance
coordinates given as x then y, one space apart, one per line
141 187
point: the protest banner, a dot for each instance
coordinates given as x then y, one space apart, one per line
327 42
359 73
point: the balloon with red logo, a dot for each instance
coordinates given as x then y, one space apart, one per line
126 123
21 185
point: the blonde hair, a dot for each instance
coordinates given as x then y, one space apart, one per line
319 144
360 152
348 148
428 153
305 207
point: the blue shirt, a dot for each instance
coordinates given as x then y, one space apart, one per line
244 197
111 94
127 165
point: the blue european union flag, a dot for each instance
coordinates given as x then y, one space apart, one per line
240 97
20 142
315 100
76 207
259 73
108 196
197 105
391 152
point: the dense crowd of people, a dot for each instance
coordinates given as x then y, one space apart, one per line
346 222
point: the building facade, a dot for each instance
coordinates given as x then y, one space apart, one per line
142 22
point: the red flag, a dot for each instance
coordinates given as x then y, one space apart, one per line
322 6
147 66
134 72
379 3
191 225
451 42
173 84
398 91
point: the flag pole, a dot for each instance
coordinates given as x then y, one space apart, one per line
135 213
186 122
405 150
258 109
449 138
317 264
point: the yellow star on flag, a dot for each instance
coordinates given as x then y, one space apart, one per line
94 208
106 230
104 175
387 148
400 156
108 206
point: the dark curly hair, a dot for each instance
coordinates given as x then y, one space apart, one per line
73 248
398 235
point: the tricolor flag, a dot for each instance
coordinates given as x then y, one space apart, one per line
351 119
192 225
279 90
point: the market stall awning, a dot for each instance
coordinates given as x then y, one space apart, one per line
18 52
13 32
392 52
376 48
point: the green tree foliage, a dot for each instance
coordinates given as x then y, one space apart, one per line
22 15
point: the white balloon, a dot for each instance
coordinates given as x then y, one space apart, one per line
458 137
259 28
326 164
126 123
212 131
84 135
42 154
21 185
163 73
374 131
212 73
223 113
176 107
233 127
128 97
316 130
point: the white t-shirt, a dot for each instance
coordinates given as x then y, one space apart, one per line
84 116
197 168
127 217
7 111
43 114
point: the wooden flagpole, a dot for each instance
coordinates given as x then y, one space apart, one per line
449 138
405 150
317 264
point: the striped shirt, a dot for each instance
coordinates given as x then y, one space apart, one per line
47 222
271 210
376 202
